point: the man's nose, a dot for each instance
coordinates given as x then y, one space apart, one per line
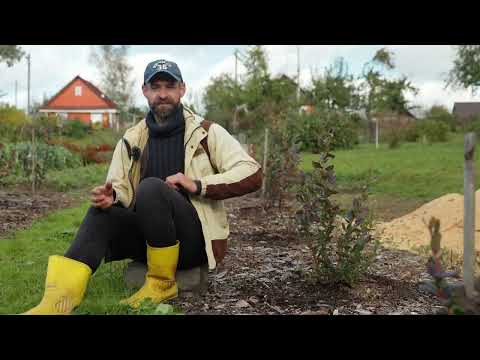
162 93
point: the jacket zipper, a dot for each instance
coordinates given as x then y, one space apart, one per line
127 144
133 188
191 135
131 168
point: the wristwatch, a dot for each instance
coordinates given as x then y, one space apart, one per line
199 187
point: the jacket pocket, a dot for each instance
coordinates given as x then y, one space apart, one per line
201 164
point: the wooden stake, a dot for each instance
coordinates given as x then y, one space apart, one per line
265 157
469 216
34 158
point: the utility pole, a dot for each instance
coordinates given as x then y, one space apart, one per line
28 85
34 160
16 91
298 72
238 56
236 65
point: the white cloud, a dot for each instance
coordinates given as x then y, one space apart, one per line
434 93
53 66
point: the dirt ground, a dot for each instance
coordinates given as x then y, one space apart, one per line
266 272
19 208
410 230
267 268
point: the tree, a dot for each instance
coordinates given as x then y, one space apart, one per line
10 54
466 68
221 97
440 113
335 90
257 80
115 71
382 94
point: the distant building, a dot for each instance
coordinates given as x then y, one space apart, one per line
82 100
466 111
306 109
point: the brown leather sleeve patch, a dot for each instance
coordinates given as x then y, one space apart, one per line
199 151
219 248
226 191
206 126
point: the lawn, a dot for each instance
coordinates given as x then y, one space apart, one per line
406 176
24 258
413 170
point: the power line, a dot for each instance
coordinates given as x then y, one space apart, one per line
28 86
238 56
298 72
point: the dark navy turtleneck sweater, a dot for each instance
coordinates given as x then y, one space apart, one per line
166 152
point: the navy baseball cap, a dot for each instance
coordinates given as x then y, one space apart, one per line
162 66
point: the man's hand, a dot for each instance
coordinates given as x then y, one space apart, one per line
102 196
179 180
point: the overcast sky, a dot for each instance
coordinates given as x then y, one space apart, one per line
53 66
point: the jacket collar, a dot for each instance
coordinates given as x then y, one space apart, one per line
192 122
138 135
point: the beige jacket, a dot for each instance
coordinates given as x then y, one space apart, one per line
228 172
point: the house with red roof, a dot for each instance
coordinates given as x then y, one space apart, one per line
82 100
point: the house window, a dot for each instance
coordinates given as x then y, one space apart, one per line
78 91
96 118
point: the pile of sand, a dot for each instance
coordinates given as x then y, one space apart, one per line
410 231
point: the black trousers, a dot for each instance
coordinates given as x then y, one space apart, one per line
161 217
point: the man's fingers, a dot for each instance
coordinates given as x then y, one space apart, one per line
172 185
102 204
99 190
99 199
108 188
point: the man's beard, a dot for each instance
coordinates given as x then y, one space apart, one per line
162 114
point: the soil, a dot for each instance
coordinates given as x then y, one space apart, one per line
267 271
410 231
19 208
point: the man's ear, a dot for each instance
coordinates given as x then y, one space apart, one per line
144 89
183 89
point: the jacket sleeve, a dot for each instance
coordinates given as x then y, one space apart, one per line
239 173
118 173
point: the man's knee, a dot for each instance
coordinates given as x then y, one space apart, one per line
150 187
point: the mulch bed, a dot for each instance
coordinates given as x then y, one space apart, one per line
18 209
267 271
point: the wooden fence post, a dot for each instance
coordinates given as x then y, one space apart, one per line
34 157
265 157
469 216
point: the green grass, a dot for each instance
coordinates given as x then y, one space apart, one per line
65 180
413 170
77 178
24 258
96 137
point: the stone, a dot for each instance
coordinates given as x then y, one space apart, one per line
190 282
364 312
242 304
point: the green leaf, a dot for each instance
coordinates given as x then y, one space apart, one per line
164 309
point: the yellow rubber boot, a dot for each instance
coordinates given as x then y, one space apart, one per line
160 281
65 286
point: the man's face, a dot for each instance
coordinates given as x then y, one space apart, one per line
163 94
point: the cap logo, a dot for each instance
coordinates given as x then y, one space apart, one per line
162 65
